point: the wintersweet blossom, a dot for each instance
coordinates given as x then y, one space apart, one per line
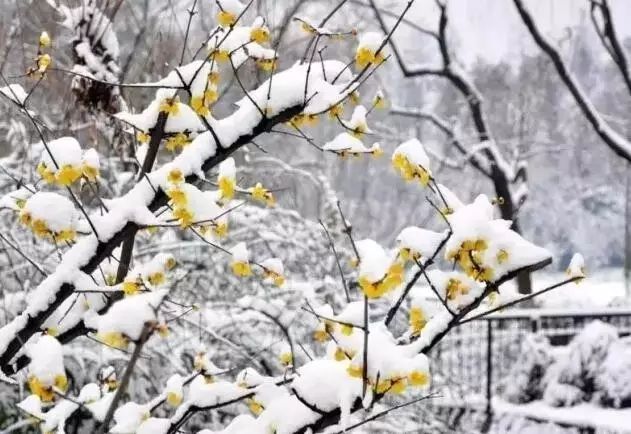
366 52
411 161
241 260
576 267
228 12
227 178
46 368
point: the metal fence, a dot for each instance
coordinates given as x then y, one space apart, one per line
473 360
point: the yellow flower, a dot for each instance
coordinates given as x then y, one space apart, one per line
90 172
44 392
347 329
156 279
143 137
379 102
114 339
320 335
286 359
199 106
371 289
355 371
418 378
336 111
46 174
365 56
400 162
261 194
456 287
65 235
43 62
175 176
220 55
241 269
311 119
178 141
359 130
170 263
398 385
220 230
170 106
174 399
61 382
259 34
25 218
377 152
40 228
406 254
417 320
183 215
225 18
226 187
255 407
383 386
502 256
339 354
44 40
20 203
177 196
213 77
130 287
278 279
210 95
68 174
266 64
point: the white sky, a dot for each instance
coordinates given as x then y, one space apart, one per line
492 28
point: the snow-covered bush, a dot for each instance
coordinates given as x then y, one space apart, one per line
524 382
582 364
613 381
173 282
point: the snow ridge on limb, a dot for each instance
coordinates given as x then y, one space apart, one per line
129 212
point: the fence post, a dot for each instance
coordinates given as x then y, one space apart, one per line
489 375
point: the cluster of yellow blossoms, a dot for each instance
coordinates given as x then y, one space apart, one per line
396 384
368 50
59 226
43 60
177 142
392 279
153 273
410 171
470 257
417 320
67 168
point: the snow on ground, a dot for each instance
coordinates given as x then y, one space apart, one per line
583 415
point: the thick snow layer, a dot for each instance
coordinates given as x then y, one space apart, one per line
347 143
46 359
128 316
373 260
585 415
370 40
64 151
418 240
57 211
